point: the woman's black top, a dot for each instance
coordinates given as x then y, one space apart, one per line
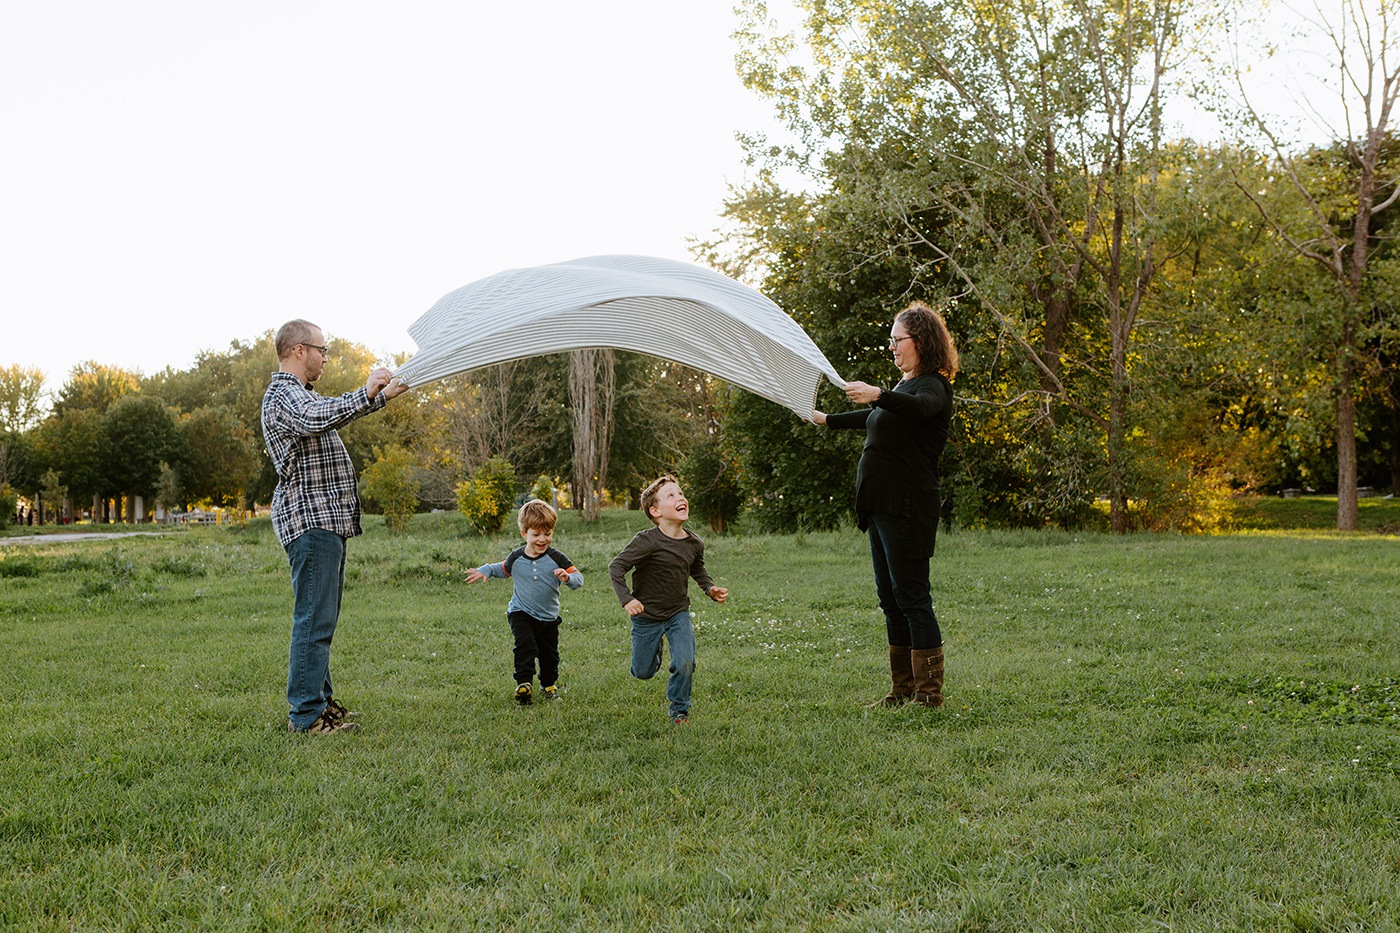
905 432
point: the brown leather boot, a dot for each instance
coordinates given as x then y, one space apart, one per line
901 679
928 676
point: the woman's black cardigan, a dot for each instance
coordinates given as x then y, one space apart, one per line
906 430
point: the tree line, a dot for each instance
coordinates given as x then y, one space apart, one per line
1149 325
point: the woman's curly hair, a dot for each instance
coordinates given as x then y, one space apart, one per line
937 351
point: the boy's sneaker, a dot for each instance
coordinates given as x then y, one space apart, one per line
523 694
551 692
324 725
681 719
337 712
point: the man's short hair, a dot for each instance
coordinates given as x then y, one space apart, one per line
292 333
537 514
653 492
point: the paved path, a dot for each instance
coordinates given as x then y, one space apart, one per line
65 537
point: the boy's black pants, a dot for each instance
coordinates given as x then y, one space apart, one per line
535 639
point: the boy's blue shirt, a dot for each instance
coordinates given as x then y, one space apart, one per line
536 586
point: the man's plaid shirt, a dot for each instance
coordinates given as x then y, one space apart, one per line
315 478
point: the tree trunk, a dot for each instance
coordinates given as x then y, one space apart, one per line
1117 417
1395 434
1346 449
592 384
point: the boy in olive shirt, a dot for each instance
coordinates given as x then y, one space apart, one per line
662 560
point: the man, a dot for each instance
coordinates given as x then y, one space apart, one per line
314 510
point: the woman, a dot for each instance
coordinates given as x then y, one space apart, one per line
897 498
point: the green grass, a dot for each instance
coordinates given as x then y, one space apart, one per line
1374 514
1141 733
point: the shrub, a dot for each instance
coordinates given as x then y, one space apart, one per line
390 484
544 489
486 498
18 565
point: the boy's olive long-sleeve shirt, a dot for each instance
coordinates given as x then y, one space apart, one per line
661 568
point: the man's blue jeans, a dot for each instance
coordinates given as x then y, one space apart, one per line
317 557
646 655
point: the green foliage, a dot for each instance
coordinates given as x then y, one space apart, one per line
487 497
390 484
17 461
663 409
94 386
544 489
962 152
21 398
796 476
169 492
221 458
709 473
9 505
69 443
139 434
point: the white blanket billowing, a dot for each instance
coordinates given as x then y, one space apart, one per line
665 308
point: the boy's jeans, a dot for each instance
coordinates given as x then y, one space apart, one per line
317 558
646 655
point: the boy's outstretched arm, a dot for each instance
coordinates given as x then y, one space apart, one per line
478 574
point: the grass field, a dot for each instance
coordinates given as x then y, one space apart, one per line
1151 732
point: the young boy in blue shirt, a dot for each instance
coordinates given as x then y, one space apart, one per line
536 569
663 560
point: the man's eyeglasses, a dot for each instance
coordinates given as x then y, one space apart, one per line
324 351
894 341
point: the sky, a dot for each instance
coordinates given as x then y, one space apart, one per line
176 176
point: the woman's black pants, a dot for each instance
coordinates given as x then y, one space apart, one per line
901 582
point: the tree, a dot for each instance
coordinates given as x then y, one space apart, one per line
69 443
220 459
1012 153
169 492
54 493
139 434
93 386
21 398
1326 204
17 461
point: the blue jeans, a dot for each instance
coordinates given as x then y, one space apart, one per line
317 557
901 583
646 655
